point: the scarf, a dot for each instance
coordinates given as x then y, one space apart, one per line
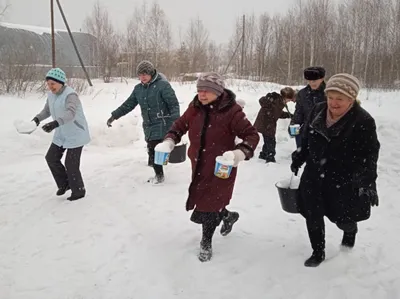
330 121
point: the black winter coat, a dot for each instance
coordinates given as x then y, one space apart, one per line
339 161
305 101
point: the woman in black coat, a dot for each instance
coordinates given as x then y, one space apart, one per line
340 148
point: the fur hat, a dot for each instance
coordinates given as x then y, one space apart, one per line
145 68
314 73
212 82
345 84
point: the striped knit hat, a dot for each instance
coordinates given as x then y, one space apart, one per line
212 82
145 67
345 84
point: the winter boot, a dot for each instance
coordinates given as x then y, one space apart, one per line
349 240
270 160
228 222
77 195
62 190
156 180
315 259
262 156
205 253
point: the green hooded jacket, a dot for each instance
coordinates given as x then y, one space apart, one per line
158 104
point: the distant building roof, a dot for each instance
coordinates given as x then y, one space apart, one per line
35 29
35 43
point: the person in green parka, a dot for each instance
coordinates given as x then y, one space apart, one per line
159 107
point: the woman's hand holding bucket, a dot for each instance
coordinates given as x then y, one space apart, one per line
225 163
162 151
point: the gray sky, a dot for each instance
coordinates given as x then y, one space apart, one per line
218 15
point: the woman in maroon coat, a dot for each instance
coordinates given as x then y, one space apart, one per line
213 120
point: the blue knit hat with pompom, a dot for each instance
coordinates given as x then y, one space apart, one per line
57 75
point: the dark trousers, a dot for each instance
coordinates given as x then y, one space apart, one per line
298 141
158 169
316 231
269 148
70 175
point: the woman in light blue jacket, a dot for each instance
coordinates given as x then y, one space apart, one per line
71 134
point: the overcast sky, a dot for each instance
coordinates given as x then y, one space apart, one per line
218 15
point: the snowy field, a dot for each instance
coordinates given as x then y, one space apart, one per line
128 239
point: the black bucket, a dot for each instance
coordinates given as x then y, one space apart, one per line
289 198
178 155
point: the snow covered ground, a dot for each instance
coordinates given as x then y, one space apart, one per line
128 239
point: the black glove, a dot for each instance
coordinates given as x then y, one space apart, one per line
36 120
50 126
110 120
294 169
369 195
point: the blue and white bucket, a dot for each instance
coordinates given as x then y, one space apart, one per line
161 158
294 130
222 168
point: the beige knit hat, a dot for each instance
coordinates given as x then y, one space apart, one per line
345 84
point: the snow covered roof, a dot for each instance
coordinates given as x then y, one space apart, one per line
35 29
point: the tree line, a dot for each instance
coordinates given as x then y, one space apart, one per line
361 37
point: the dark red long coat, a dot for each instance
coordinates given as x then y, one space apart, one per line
212 131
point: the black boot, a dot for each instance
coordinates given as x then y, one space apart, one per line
316 233
262 156
228 221
315 259
349 233
348 240
270 160
61 191
205 253
157 179
77 195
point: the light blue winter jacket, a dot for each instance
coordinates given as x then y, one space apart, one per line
66 108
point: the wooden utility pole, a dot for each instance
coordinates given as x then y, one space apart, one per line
53 44
73 43
243 39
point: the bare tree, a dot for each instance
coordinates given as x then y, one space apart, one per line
197 42
99 25
262 40
3 9
17 72
361 37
